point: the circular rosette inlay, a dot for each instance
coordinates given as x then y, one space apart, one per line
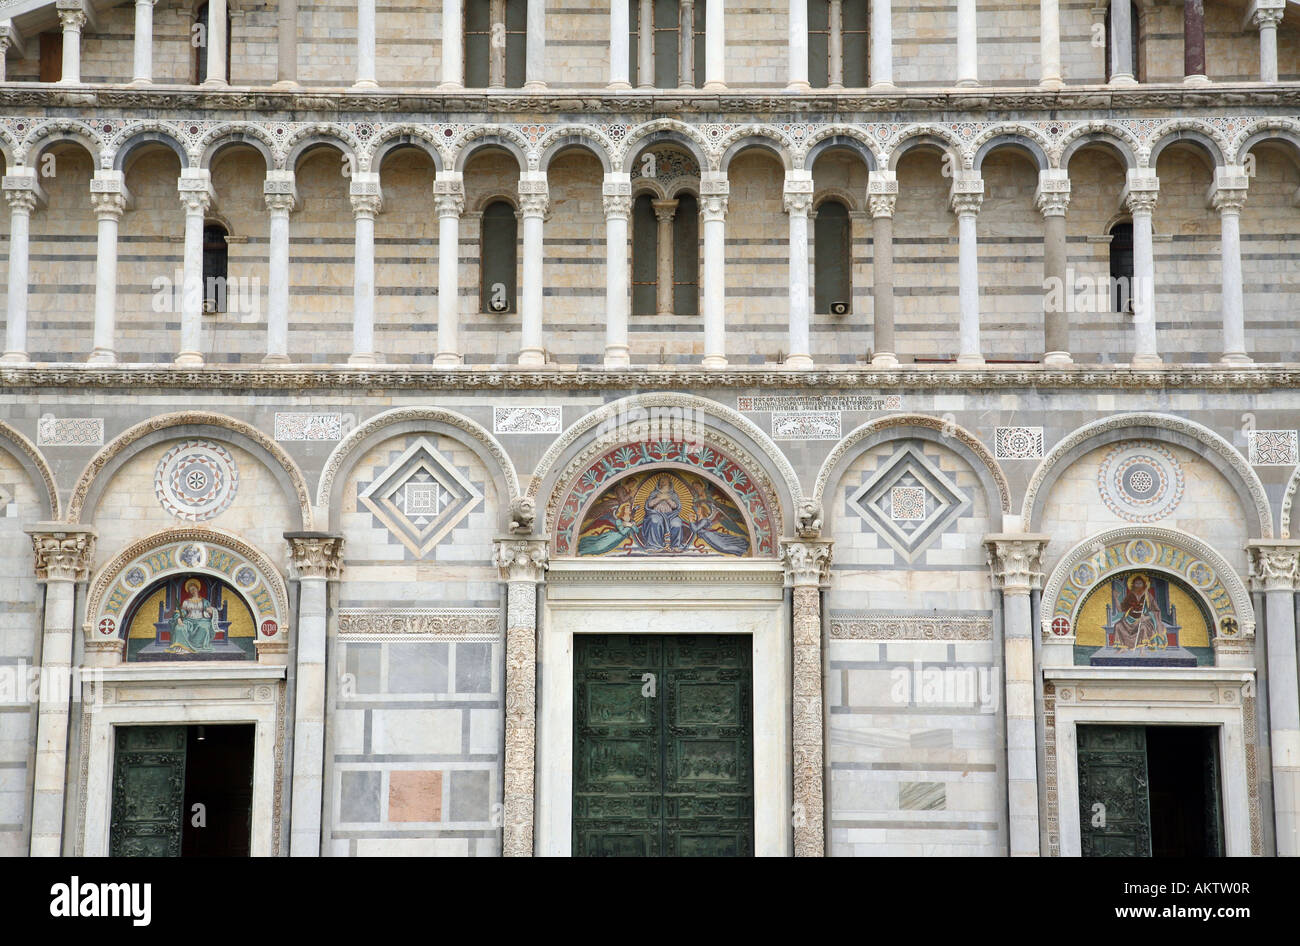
1141 481
196 480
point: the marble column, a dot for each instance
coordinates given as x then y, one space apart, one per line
1275 570
142 64
497 47
1228 196
109 199
965 199
715 46
664 212
10 38
882 197
522 562
618 209
534 198
366 45
217 40
281 196
835 45
1014 563
1121 44
449 199
882 44
967 44
645 46
1052 198
23 191
1049 44
620 41
1265 16
1139 198
64 554
714 193
72 17
798 46
1194 42
798 199
535 54
315 559
286 65
453 52
367 201
807 570
197 197
686 45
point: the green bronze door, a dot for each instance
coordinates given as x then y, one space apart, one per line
1114 803
663 746
148 791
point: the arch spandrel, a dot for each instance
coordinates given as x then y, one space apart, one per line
38 468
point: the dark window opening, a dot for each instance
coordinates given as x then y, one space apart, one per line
51 57
1121 267
645 253
216 268
833 259
686 256
498 252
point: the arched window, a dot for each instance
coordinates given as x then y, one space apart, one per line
199 41
686 256
497 255
216 267
676 43
837 44
1121 267
1139 72
833 259
496 44
645 252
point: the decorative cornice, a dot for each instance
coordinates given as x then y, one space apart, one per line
63 552
140 377
1014 561
315 555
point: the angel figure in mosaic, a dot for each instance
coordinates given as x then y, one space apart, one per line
618 513
193 626
715 524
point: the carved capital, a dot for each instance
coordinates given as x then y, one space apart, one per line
1014 561
798 193
280 191
1274 565
108 205
714 208
63 552
807 562
315 555
522 559
22 190
664 210
966 195
72 20
1140 192
195 190
617 194
1053 194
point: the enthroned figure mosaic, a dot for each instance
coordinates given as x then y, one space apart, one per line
1141 618
191 617
664 512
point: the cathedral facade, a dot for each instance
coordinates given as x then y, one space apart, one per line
509 427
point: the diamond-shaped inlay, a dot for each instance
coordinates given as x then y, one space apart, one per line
909 502
420 497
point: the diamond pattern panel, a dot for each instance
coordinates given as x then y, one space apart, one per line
420 497
909 502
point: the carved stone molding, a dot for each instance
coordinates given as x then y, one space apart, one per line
315 555
807 562
63 552
1274 565
1014 562
849 625
461 624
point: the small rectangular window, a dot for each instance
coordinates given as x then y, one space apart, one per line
855 44
819 39
478 45
516 43
51 57
498 252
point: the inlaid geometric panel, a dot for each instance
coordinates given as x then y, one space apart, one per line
1272 447
909 502
196 480
1141 481
420 497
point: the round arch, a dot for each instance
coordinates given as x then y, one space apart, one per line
103 465
247 135
403 136
934 429
43 135
1016 141
925 136
1273 133
315 136
842 137
492 136
34 463
604 427
1288 502
1203 137
584 139
1106 138
764 139
657 132
1162 427
413 420
123 148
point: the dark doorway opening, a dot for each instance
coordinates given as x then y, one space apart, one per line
219 778
1184 798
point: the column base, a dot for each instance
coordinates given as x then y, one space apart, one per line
714 87
714 362
214 84
1122 80
1236 358
970 361
102 356
799 88
1146 361
14 358
534 85
276 360
451 87
617 356
139 81
364 85
619 86
799 362
288 84
967 83
364 358
532 358
446 359
1057 359
1051 83
884 359
882 87
189 359
1196 80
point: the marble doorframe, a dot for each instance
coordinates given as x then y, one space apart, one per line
639 596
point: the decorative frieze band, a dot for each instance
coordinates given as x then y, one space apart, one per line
870 625
414 624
